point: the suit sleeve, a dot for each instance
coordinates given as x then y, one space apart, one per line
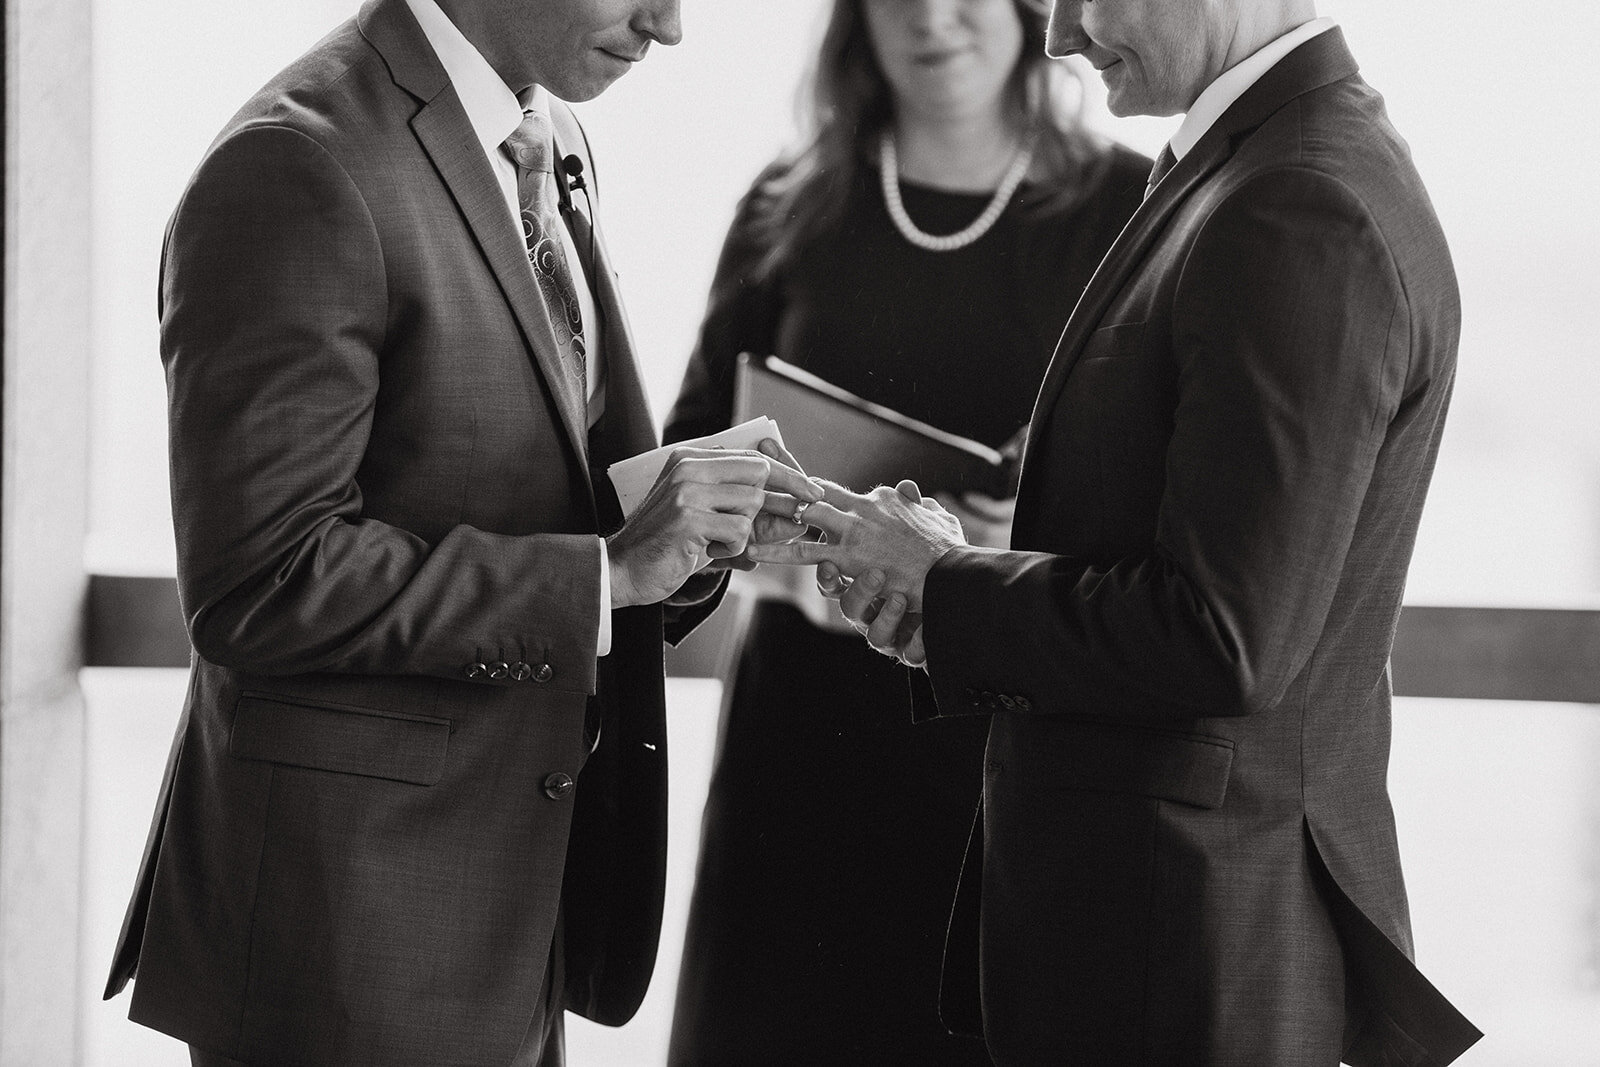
274 314
1289 334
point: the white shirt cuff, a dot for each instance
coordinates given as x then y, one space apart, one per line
603 644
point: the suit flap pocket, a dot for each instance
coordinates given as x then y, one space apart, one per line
1165 764
377 744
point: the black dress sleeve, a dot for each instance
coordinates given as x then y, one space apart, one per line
741 316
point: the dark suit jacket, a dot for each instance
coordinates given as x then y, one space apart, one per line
1186 832
388 561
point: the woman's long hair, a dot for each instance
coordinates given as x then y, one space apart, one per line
850 104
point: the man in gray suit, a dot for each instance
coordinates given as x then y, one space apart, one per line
416 804
1186 853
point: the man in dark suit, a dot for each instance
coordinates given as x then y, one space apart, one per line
1186 853
416 804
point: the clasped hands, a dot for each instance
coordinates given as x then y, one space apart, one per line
718 509
705 510
875 560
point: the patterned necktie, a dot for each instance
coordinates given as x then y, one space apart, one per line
532 149
1165 161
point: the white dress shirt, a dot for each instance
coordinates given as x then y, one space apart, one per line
495 112
1220 94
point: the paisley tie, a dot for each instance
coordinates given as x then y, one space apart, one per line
532 149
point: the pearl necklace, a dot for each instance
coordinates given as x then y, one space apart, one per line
889 174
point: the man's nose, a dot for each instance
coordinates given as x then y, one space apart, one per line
659 20
1065 35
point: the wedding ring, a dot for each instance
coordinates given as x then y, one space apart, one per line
798 518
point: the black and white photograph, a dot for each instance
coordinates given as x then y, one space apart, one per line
799 533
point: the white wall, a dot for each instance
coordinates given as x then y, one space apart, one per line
1500 114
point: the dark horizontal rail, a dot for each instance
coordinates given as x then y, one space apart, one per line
1468 653
1498 654
134 622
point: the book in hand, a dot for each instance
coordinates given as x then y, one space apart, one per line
837 435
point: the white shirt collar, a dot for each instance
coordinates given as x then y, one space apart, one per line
1220 94
491 107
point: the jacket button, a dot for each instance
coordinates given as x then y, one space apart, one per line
521 672
543 672
558 786
476 671
1007 703
988 699
1024 704
499 671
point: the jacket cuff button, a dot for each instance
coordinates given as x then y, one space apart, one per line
476 671
558 786
499 672
521 672
543 672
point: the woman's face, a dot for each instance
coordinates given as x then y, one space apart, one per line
945 58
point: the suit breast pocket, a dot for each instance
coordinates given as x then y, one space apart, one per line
346 740
1118 407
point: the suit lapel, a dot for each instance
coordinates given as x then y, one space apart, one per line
446 135
625 428
1318 62
1126 255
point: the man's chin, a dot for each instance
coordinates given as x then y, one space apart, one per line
586 87
1124 104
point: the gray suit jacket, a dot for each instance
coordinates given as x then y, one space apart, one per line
388 561
1187 853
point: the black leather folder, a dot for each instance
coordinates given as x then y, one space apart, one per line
837 435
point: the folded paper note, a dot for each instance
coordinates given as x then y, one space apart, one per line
633 477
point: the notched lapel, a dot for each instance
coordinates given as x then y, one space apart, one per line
446 135
1318 62
1125 256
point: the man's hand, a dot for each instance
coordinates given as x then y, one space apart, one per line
985 520
774 524
704 506
890 537
886 623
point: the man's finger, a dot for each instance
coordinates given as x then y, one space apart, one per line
827 518
839 496
856 602
787 479
881 633
713 467
772 449
733 498
915 653
721 528
773 528
831 583
908 489
794 553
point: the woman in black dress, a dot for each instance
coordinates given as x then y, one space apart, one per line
923 250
